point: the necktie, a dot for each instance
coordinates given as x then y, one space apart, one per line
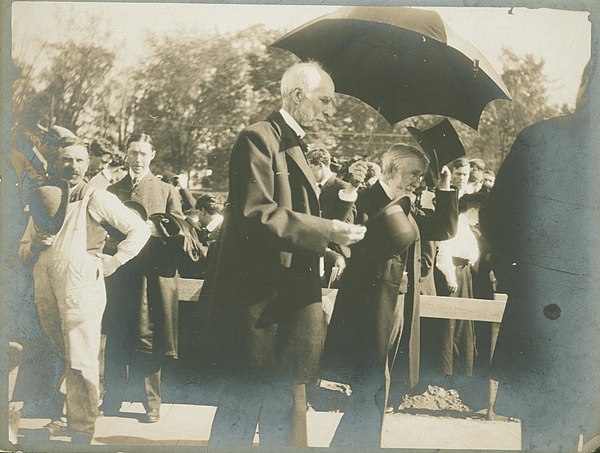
302 144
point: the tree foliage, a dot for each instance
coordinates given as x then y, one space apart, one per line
194 94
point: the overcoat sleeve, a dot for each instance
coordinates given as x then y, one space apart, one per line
442 224
259 215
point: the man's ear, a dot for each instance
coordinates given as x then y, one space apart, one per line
297 94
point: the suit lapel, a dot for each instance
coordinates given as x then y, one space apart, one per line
291 146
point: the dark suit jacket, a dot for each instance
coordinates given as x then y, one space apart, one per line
262 285
147 284
363 319
329 199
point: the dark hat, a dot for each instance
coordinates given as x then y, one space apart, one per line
48 206
441 144
389 231
57 133
166 224
137 208
168 175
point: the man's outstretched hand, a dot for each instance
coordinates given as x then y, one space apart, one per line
347 233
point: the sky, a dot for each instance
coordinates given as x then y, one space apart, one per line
561 38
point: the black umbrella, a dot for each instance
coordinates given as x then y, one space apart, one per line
401 61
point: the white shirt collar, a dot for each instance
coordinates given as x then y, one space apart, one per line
139 177
291 122
214 223
387 189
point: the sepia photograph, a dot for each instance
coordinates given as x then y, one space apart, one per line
346 227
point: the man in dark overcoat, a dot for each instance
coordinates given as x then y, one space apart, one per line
368 316
142 315
541 220
262 285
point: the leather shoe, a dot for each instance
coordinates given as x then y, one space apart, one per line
152 416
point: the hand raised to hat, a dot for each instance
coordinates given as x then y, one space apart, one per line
444 180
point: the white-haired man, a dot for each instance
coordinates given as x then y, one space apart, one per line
262 286
368 316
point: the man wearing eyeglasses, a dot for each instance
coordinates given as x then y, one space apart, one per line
368 317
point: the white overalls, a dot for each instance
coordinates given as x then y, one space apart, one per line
70 297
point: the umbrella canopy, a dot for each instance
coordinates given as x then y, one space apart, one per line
401 61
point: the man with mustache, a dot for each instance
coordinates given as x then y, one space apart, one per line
70 295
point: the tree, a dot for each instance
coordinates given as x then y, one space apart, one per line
75 80
192 97
502 121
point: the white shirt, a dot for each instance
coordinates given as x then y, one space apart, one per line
139 177
387 189
214 223
103 207
463 245
291 122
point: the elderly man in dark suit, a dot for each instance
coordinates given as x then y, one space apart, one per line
368 317
142 312
262 284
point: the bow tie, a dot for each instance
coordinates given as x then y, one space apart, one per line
302 144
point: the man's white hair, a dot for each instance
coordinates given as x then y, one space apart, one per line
395 159
302 75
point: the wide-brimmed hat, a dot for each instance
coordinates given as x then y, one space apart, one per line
48 206
389 231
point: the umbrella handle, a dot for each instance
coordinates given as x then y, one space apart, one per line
372 131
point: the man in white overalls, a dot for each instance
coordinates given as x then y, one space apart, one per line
70 295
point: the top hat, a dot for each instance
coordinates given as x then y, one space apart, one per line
48 207
441 143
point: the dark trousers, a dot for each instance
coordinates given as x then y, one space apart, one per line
361 424
147 368
278 409
116 362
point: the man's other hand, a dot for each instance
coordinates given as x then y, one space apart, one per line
43 240
109 263
444 181
347 233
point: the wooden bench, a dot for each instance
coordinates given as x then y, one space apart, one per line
431 306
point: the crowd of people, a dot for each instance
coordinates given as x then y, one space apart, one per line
108 242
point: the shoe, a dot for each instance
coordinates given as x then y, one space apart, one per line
81 438
57 428
153 416
109 410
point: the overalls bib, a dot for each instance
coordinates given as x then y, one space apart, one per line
70 297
